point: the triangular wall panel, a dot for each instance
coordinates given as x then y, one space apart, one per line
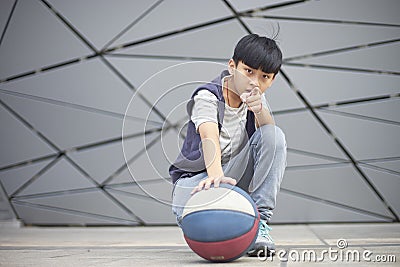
89 84
299 159
292 33
386 111
182 44
105 160
13 178
341 10
92 202
62 176
281 97
163 18
382 58
66 127
253 4
135 155
388 184
101 27
310 137
168 89
160 190
27 46
44 216
332 86
337 184
294 209
378 140
152 212
30 145
5 12
393 164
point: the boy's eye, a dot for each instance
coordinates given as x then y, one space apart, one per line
268 76
249 70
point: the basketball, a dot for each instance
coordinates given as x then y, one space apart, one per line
220 224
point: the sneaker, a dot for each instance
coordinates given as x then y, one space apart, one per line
264 245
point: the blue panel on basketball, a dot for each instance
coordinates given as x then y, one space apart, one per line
220 224
216 225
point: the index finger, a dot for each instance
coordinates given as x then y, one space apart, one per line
199 187
256 91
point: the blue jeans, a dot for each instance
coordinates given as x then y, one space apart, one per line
258 169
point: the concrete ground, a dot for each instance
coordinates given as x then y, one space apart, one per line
305 245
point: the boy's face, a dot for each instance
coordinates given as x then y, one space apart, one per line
246 78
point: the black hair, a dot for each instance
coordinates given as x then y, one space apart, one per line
258 52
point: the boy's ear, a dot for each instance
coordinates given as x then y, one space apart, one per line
231 66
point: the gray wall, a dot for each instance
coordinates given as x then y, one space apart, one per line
86 136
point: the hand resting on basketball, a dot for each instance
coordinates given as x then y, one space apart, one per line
206 183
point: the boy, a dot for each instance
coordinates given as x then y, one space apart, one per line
231 136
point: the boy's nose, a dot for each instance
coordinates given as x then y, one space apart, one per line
254 83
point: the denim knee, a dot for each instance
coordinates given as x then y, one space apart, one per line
271 137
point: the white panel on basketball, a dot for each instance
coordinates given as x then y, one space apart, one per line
218 199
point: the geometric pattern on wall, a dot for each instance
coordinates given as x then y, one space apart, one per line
68 70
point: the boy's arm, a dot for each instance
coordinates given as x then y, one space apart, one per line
209 134
264 117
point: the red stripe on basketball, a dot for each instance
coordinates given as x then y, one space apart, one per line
224 250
